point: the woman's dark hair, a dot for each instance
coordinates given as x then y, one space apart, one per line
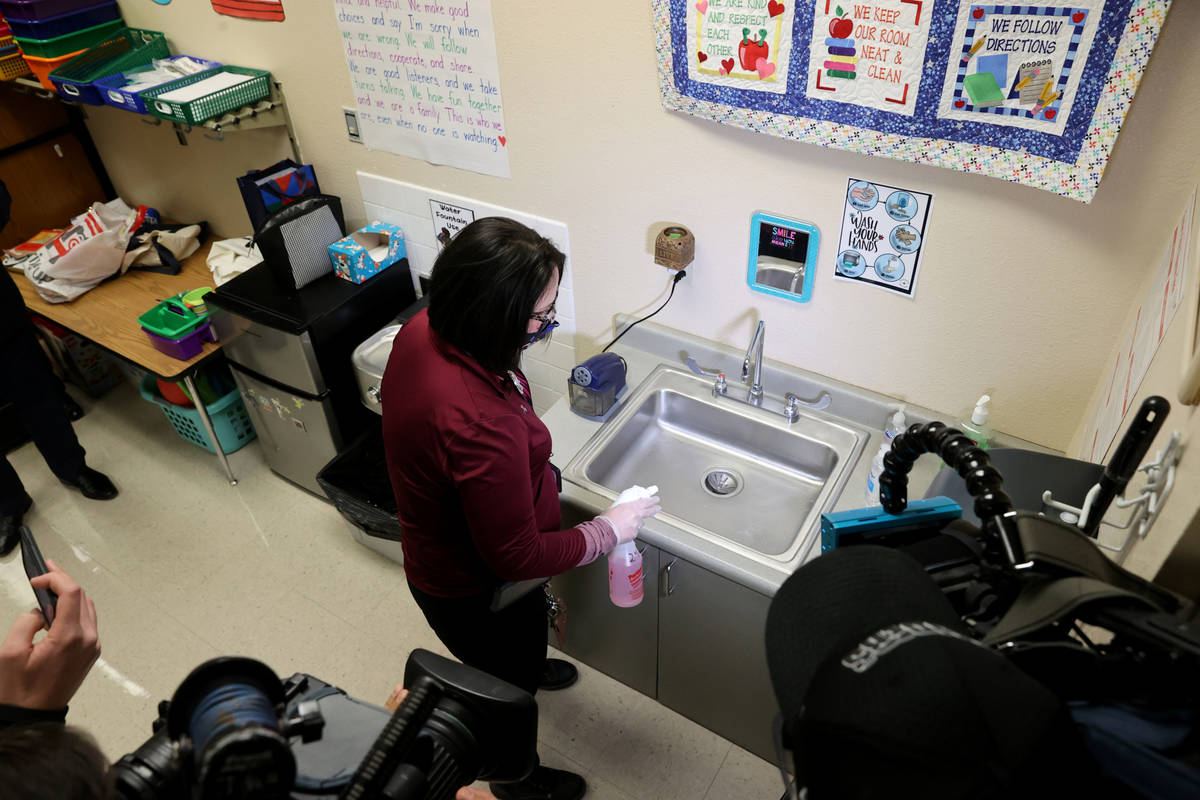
485 285
51 761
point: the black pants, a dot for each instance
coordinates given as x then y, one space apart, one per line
28 382
509 644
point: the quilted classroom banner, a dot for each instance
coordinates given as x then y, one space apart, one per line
1034 94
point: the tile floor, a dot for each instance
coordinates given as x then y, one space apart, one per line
184 567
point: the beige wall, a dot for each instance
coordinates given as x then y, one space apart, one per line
1177 567
1019 289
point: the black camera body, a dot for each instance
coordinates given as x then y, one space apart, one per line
234 730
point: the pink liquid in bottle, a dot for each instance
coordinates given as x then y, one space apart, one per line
625 575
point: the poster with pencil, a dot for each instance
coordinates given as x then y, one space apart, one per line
1019 65
1030 93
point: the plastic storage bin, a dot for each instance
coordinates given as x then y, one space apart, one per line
171 319
40 9
113 92
42 67
66 24
131 47
61 45
256 86
12 66
357 483
230 421
184 347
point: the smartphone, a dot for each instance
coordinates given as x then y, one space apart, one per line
35 565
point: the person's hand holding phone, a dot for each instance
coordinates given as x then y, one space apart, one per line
46 674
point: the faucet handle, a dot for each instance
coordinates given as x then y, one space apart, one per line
793 403
695 367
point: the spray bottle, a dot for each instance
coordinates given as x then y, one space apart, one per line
894 428
625 575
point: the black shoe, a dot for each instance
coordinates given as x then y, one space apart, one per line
543 784
10 528
72 408
559 674
94 485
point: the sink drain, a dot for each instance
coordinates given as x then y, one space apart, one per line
722 482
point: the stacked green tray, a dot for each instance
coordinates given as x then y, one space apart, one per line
255 87
128 48
61 45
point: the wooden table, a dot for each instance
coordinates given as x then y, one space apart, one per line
107 315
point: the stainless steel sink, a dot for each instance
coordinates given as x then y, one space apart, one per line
789 279
736 475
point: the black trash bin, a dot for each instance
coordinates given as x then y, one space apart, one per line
357 483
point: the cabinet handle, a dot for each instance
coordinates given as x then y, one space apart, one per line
667 588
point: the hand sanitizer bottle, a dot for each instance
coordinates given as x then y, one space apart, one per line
977 428
894 428
625 574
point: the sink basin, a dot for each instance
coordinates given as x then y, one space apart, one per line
736 475
789 279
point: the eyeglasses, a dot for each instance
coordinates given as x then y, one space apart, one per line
545 316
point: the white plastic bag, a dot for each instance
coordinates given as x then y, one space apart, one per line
148 249
229 258
83 255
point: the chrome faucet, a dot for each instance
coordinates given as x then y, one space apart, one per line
755 351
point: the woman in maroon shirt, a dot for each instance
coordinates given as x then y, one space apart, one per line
469 462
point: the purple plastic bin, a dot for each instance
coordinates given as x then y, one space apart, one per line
186 348
66 24
34 10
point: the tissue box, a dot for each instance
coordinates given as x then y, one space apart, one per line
367 251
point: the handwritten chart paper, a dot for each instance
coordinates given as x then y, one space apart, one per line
1140 341
425 80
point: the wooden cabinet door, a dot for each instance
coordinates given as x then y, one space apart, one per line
49 183
24 116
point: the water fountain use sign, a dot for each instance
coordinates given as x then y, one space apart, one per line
1031 93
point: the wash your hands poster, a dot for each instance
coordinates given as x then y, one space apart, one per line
1033 94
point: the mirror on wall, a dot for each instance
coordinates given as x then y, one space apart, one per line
783 256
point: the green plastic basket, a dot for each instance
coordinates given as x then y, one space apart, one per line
171 319
193 112
61 45
128 48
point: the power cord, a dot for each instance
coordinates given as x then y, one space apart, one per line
678 277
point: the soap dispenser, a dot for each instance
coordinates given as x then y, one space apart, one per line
894 428
976 428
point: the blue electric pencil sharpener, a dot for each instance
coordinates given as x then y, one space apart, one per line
596 385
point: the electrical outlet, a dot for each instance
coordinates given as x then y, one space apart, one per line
352 124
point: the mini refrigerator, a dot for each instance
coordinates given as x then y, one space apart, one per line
290 354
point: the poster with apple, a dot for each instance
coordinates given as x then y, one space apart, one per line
868 54
1033 93
744 43
1019 65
